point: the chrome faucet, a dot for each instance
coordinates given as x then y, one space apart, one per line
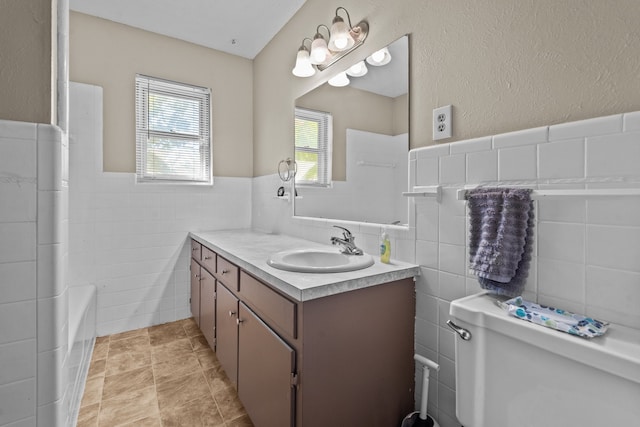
347 242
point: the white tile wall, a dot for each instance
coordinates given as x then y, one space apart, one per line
18 280
586 251
602 161
130 240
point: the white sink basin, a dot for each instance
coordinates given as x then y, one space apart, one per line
318 261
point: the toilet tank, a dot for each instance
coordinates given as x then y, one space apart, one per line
514 373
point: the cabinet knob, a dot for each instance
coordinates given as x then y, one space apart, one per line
232 313
197 276
194 249
207 257
224 271
238 321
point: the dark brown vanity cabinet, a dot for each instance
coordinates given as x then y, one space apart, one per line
194 300
227 332
203 290
266 372
208 306
343 359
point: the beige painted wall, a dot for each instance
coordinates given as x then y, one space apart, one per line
108 54
503 65
351 109
401 114
27 66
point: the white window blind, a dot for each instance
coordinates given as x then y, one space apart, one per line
173 131
313 147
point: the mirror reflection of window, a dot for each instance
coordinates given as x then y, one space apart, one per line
313 146
369 159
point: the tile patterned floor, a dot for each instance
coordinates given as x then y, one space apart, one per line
162 376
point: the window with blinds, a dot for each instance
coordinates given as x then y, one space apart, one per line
173 131
313 145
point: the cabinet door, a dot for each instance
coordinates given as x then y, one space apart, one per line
265 370
208 306
195 291
227 332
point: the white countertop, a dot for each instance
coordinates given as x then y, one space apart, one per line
250 251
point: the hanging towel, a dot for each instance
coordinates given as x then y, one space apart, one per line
500 238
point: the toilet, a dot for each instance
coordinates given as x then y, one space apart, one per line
510 372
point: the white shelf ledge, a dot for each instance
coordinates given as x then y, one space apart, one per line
425 191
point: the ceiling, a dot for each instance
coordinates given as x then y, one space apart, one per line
238 27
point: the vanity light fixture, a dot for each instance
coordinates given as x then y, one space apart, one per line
339 80
380 57
343 38
319 50
303 66
358 70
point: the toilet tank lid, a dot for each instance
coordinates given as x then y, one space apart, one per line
617 352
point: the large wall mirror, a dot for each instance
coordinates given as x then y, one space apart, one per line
368 134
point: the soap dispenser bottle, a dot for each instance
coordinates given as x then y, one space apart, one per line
385 247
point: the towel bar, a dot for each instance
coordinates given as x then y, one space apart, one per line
603 192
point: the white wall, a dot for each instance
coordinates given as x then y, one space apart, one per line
586 250
130 240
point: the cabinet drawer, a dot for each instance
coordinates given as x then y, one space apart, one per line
208 259
227 273
196 250
273 307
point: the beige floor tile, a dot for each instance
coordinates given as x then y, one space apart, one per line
146 422
97 368
102 340
242 421
126 362
126 382
162 376
100 350
199 412
128 408
168 332
176 368
191 327
92 391
207 359
137 344
229 404
199 342
173 350
217 379
128 334
88 416
177 392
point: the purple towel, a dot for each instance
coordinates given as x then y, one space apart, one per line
500 238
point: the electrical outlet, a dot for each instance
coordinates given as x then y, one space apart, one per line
442 122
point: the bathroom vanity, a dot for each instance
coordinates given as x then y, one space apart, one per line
305 350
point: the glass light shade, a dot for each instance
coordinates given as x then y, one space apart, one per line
358 70
380 57
339 80
303 66
340 37
319 50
